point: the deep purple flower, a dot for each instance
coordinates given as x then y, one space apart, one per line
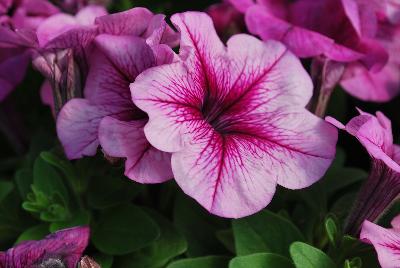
341 30
383 184
131 42
385 241
233 118
60 249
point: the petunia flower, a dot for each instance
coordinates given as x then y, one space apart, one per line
383 183
233 118
383 85
385 241
306 27
18 21
107 115
60 249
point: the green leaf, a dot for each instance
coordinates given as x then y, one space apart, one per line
124 229
33 233
23 179
6 188
79 219
199 227
261 260
332 230
170 244
353 263
110 190
227 239
105 261
47 180
264 232
201 262
306 256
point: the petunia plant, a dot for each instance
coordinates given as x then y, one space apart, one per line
212 134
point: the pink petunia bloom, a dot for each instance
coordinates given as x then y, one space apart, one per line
383 184
234 119
60 249
385 241
383 85
306 27
130 43
18 20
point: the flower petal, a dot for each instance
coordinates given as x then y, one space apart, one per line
77 127
129 54
131 22
66 245
385 241
144 163
226 173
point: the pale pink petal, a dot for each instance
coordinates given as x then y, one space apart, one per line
131 22
195 45
144 163
87 15
226 173
164 54
55 26
396 222
385 241
368 86
396 153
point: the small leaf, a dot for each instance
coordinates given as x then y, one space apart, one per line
47 180
79 219
198 227
108 191
201 262
331 230
105 261
306 256
23 179
353 263
264 232
227 239
261 260
124 229
33 233
170 244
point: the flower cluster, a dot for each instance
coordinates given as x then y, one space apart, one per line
228 121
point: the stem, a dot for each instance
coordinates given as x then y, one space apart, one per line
326 74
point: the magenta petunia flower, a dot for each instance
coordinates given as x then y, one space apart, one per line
383 183
385 84
234 119
306 27
107 114
385 241
60 249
